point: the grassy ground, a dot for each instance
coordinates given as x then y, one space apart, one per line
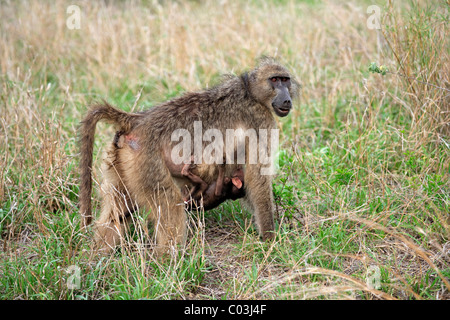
362 192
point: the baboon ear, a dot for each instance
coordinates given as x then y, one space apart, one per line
295 87
237 182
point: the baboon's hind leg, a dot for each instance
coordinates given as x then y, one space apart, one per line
112 223
169 219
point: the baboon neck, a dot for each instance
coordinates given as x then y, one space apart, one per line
246 84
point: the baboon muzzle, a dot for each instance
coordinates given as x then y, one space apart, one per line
282 103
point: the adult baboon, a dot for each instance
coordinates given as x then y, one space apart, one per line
137 175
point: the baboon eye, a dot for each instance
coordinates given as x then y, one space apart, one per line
284 79
273 79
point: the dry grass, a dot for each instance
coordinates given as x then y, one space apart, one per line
363 181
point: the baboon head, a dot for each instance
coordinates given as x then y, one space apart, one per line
273 86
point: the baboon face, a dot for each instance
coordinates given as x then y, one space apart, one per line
282 102
274 88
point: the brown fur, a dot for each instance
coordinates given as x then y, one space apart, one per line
136 176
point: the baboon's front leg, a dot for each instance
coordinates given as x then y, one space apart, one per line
259 196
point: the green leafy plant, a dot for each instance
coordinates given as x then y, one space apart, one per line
374 68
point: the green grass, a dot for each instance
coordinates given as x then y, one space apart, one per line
363 179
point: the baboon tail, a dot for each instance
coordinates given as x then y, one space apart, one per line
98 112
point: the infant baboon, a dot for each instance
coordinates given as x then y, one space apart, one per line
137 175
209 196
218 191
200 194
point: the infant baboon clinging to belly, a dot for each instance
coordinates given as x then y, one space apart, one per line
197 193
